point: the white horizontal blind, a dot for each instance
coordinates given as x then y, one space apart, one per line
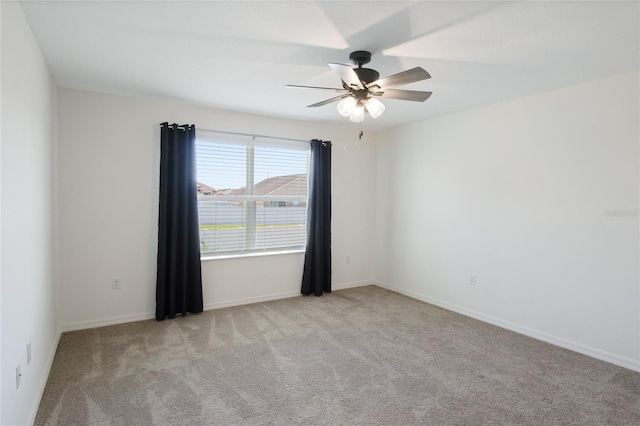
251 196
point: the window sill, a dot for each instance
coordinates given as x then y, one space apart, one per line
250 254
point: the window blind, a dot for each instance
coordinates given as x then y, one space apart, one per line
252 196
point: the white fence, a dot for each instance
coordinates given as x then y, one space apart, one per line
276 227
230 213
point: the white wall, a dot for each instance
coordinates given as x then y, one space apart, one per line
28 284
1 217
516 193
108 203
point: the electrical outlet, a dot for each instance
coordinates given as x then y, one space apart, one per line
472 279
18 376
28 353
348 260
116 283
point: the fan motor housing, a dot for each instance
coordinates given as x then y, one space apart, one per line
366 75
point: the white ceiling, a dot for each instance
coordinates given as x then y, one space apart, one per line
238 55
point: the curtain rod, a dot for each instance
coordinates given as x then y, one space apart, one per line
252 135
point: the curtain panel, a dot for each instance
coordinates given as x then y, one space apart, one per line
179 278
316 277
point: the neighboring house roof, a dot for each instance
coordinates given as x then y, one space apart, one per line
279 185
202 188
224 192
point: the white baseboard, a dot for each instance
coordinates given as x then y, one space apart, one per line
277 296
42 383
250 300
103 322
554 340
353 284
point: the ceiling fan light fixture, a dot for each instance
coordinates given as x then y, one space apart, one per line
362 86
374 107
346 106
357 115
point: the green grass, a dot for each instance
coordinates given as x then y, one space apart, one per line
223 227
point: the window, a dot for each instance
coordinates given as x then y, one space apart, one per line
244 180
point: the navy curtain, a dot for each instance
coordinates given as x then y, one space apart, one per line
316 277
179 280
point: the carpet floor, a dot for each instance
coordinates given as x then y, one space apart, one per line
362 356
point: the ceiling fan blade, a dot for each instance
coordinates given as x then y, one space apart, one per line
404 95
404 77
293 86
348 75
328 101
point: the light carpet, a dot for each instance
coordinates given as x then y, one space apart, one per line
362 356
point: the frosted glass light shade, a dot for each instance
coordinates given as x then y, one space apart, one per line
375 107
357 115
345 106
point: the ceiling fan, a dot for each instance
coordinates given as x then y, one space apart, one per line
362 87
